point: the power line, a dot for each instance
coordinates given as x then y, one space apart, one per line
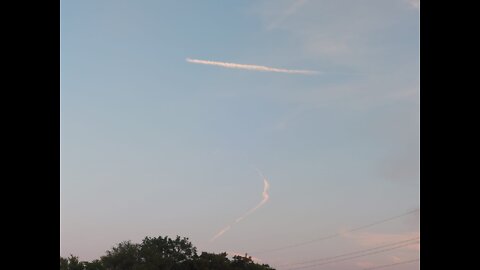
336 234
392 264
353 253
353 257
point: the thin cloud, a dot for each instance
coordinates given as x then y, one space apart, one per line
287 13
395 259
365 264
251 67
265 196
222 231
369 239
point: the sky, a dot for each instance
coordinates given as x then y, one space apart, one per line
171 112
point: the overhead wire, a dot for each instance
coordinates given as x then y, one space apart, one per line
392 264
353 253
353 257
337 234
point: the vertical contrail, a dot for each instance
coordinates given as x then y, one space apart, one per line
265 196
264 200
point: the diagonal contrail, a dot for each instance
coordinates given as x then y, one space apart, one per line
264 200
251 67
265 196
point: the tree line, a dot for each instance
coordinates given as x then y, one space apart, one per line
161 253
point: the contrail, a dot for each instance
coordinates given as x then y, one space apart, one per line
222 231
251 67
265 196
264 200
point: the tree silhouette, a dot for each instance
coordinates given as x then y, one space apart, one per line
71 263
162 253
124 256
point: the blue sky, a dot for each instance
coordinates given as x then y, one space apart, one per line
154 145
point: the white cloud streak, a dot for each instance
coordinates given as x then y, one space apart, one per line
265 196
251 67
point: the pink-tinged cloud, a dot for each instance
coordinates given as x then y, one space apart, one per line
251 67
415 3
364 264
395 259
369 239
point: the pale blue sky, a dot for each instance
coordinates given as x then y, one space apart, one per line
154 145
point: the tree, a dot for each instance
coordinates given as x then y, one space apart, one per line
94 265
161 253
124 256
166 253
246 262
71 263
207 261
63 263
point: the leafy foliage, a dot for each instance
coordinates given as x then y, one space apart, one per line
162 253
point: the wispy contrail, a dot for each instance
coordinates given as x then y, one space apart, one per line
251 67
222 231
265 196
264 200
